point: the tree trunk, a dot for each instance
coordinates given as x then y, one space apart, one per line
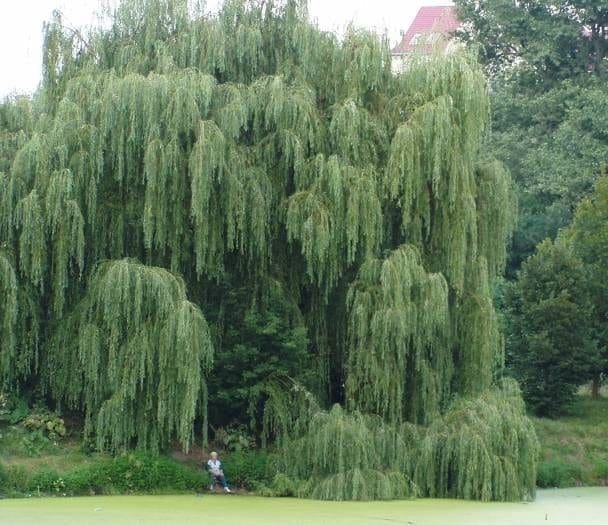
595 387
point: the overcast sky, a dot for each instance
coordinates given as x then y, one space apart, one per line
21 28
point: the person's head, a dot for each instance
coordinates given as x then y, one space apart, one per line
213 456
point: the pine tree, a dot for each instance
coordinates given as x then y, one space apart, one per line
169 149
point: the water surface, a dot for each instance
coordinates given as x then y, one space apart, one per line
581 506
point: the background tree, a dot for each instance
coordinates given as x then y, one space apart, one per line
548 64
589 237
538 41
261 335
550 346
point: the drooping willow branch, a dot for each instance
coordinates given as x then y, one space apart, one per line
133 355
481 448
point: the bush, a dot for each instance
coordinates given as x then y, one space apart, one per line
128 474
45 480
600 472
133 473
13 479
3 478
249 469
558 474
50 424
87 480
280 487
12 409
234 438
36 443
16 480
145 473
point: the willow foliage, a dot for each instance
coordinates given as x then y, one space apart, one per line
169 150
342 456
8 317
399 364
481 448
134 354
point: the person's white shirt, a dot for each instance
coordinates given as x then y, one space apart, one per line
215 465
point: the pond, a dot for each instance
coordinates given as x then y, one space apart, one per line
581 506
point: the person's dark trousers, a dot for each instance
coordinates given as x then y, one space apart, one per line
221 479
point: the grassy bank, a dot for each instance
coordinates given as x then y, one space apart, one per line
574 453
42 463
575 447
132 473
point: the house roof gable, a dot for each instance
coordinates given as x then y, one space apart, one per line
430 20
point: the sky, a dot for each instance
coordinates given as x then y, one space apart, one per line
21 28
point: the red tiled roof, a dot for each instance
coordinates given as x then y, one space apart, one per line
440 20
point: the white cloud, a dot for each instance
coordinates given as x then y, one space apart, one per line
21 24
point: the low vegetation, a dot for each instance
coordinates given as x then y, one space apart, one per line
125 474
41 454
575 447
65 470
574 452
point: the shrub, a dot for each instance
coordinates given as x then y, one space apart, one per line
12 409
249 469
281 487
600 472
3 478
50 424
87 479
36 443
45 480
4 411
234 438
146 473
558 473
15 479
127 474
133 473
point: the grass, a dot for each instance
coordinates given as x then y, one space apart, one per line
575 447
33 451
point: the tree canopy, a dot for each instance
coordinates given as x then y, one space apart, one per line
173 158
550 347
588 237
548 64
539 41
556 311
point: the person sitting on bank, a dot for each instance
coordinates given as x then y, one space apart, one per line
214 466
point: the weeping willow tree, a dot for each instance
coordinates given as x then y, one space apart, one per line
170 149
